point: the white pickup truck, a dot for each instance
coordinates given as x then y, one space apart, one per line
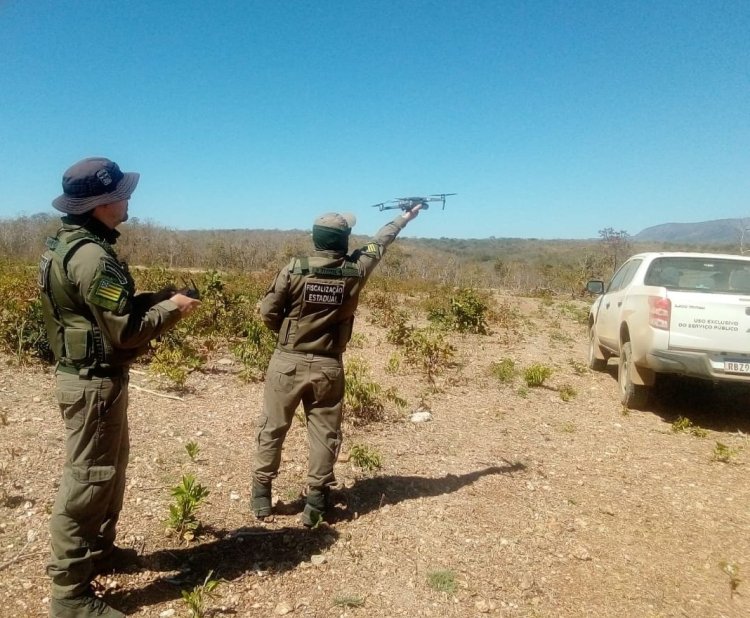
679 313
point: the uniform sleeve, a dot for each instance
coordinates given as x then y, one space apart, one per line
367 257
273 307
124 318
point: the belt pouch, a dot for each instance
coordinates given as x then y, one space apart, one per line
77 344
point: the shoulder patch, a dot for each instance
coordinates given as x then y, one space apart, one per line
108 294
371 249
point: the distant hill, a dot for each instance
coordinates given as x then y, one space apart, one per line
719 231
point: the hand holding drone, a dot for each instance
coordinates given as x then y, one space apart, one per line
407 203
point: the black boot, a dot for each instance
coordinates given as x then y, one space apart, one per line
261 500
86 605
315 507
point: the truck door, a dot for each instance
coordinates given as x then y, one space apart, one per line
608 318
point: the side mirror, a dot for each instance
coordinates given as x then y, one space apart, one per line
595 286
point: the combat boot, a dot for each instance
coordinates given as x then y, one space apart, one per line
261 499
315 507
118 560
86 605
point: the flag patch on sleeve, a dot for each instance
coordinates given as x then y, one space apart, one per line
107 293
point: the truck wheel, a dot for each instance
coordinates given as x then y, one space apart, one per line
597 364
632 395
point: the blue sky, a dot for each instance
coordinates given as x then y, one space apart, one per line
548 119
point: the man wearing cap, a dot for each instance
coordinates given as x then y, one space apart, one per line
96 325
311 305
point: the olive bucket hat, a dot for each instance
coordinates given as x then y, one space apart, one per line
93 182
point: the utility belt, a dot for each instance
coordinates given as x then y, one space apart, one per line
93 372
339 336
335 355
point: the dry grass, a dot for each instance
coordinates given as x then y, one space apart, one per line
534 506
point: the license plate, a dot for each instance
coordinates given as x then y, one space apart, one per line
733 367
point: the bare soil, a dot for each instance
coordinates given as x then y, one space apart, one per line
528 504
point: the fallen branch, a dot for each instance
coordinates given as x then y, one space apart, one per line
156 393
18 557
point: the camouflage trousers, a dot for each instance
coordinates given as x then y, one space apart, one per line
88 504
318 383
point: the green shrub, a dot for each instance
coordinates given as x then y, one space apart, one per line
364 457
173 360
22 330
442 581
536 374
255 350
466 312
429 350
363 398
504 370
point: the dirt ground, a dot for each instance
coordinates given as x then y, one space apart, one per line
509 502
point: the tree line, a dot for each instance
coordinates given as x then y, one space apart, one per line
560 266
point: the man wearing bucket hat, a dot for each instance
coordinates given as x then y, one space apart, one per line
311 305
96 326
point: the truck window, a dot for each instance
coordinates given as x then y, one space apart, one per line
702 274
623 276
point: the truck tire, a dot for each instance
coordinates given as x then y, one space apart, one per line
597 364
631 395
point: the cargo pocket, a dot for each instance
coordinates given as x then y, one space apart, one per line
90 489
329 387
283 379
72 402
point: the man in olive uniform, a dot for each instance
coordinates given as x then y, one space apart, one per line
311 305
96 325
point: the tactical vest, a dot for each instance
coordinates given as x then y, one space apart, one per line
324 298
73 333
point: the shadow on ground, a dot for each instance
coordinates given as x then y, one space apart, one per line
719 406
236 552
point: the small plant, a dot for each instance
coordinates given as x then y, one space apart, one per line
429 349
522 392
364 457
579 368
536 374
393 365
362 396
358 340
682 424
188 496
567 392
569 427
442 581
724 453
192 449
733 571
348 600
504 370
559 336
196 598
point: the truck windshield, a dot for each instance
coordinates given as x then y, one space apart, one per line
721 276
